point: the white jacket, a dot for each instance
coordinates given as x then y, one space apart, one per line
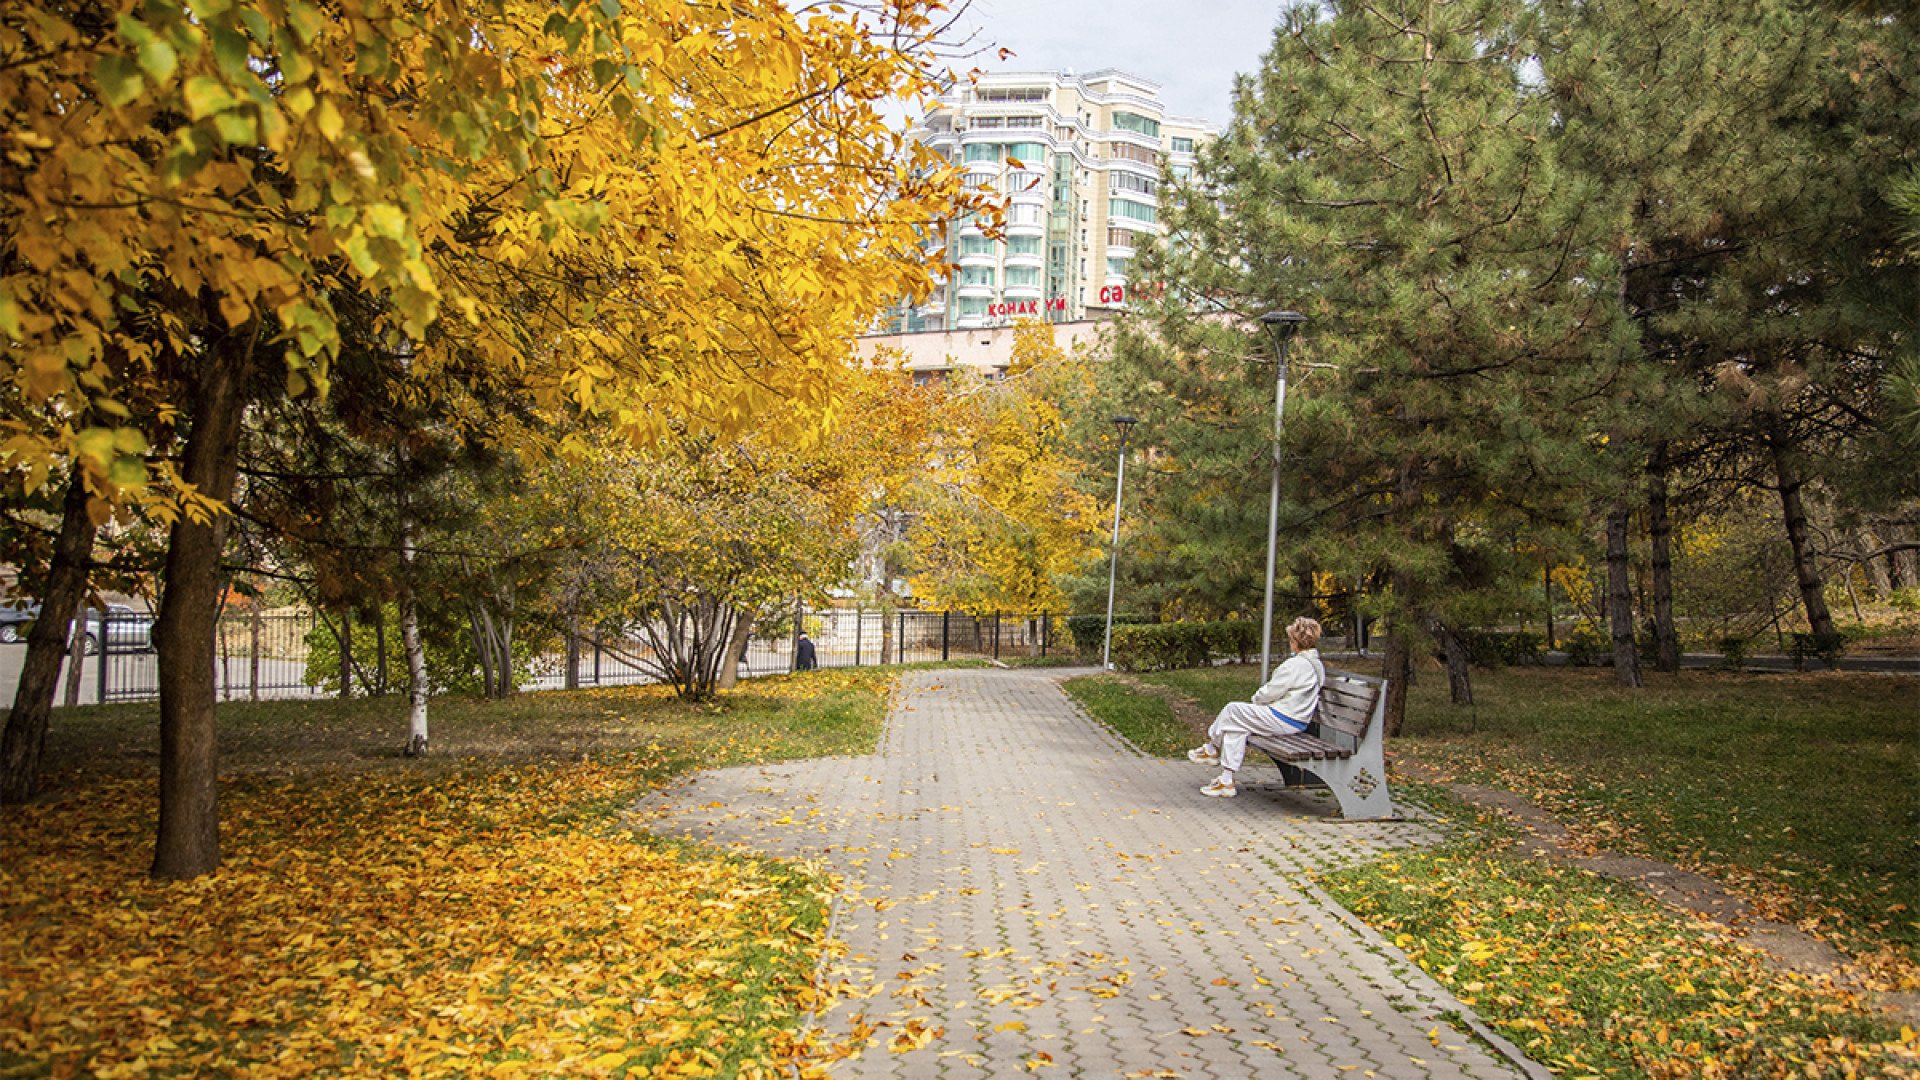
1294 690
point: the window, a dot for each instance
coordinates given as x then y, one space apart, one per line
1012 93
973 306
976 245
1023 245
1031 154
983 151
1130 152
1181 172
1182 146
1120 238
1023 275
1132 211
1116 267
1126 181
1126 121
977 275
1023 214
1024 182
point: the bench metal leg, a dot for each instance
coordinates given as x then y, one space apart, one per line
1359 782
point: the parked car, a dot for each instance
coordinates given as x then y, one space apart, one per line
127 630
14 622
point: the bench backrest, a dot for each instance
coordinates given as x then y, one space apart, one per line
1346 707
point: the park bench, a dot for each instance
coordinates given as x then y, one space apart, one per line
1343 746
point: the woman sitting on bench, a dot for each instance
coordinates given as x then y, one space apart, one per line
1285 706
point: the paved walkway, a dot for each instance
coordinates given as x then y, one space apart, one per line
1026 892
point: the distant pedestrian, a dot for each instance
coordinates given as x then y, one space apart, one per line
1285 706
803 658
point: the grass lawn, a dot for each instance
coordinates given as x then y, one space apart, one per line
481 909
1142 719
1593 977
1800 791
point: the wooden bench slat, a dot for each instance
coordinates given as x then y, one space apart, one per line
1359 698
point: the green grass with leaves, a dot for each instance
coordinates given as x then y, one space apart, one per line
1593 977
1142 719
1801 791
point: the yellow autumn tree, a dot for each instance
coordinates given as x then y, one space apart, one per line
1001 518
669 215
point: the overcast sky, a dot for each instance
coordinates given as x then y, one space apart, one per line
1192 49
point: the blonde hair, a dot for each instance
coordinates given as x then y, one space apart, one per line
1304 632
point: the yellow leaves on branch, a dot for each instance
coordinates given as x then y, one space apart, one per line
661 213
1003 516
397 925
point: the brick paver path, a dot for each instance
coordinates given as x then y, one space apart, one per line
1026 892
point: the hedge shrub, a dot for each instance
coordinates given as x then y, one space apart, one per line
1164 646
1090 631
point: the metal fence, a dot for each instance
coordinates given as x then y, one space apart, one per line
262 656
841 638
256 657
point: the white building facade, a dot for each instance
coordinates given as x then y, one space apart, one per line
1079 160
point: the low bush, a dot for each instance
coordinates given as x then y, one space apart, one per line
1089 632
1907 599
1584 645
1733 652
1825 648
1166 646
1503 648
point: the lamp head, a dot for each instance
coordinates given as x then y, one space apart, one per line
1282 324
1124 424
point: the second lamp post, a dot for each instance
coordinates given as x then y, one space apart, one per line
1124 424
1281 326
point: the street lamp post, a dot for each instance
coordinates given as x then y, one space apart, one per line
1281 326
1124 424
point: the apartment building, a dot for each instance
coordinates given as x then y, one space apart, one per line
1079 160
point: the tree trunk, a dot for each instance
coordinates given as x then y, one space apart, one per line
1398 669
886 634
77 654
737 644
188 844
416 656
573 650
26 733
1666 639
380 650
1454 652
1626 658
482 645
1812 589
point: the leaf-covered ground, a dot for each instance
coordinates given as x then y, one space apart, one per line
1595 978
1801 791
473 914
1798 791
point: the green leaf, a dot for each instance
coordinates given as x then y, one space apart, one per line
237 128
205 95
119 79
610 8
128 472
158 60
95 445
231 52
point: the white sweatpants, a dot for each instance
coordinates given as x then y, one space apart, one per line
1241 719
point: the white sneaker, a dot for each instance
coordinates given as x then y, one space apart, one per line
1218 790
1205 755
